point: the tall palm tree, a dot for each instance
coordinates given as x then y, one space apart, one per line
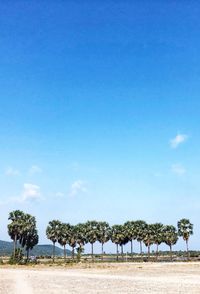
185 230
157 235
170 237
32 239
140 227
92 234
148 237
104 234
123 240
131 233
72 239
81 231
29 237
118 236
63 238
53 233
15 228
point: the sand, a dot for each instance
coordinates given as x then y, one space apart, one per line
102 278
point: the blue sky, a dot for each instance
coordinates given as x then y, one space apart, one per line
100 111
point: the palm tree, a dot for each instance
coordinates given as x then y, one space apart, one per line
92 234
23 229
185 230
131 233
29 237
140 227
118 236
15 228
157 235
80 230
123 240
72 239
115 238
148 237
104 234
32 239
170 237
63 238
53 233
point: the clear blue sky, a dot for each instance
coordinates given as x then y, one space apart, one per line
100 111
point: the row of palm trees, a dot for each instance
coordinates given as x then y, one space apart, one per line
22 229
93 231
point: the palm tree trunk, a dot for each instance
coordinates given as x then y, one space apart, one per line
148 252
92 252
140 247
14 245
64 252
53 251
170 246
122 251
102 251
188 255
157 252
73 253
131 249
117 251
27 254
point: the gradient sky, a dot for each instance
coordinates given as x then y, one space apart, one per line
100 111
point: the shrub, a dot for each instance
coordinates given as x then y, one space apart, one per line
16 258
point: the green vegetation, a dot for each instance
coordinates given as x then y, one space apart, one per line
22 230
170 237
53 233
185 230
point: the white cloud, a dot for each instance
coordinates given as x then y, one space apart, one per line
30 192
180 138
77 187
10 171
34 169
178 169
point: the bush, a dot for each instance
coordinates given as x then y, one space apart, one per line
79 250
16 258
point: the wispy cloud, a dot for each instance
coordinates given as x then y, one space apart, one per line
77 187
178 169
30 192
35 169
10 171
179 139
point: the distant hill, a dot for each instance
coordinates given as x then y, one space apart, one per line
6 248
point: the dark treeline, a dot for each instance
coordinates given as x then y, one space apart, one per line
22 230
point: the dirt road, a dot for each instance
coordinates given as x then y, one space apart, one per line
116 278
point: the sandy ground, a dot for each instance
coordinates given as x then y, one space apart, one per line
103 278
